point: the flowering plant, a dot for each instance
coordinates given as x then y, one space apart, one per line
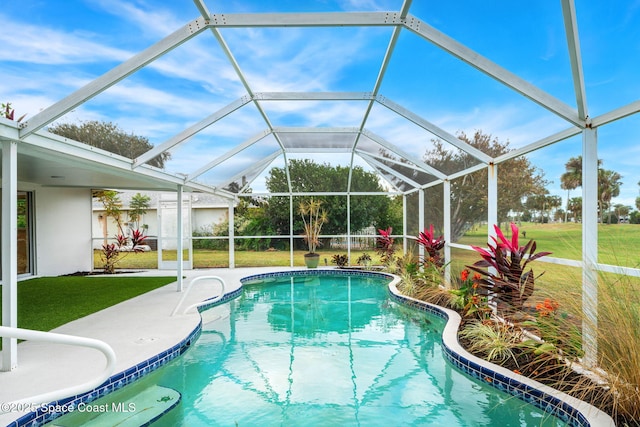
547 308
384 245
111 251
433 247
554 329
510 283
468 298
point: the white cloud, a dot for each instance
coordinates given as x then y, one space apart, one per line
35 44
149 17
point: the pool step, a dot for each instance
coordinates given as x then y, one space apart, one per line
137 410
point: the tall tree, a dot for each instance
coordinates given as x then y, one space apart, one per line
575 207
621 211
517 178
112 206
572 178
109 137
308 176
138 205
608 187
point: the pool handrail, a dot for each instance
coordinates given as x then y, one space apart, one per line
52 337
205 302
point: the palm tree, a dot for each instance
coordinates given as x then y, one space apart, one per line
608 188
138 205
572 178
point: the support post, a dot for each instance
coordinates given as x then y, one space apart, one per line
291 242
589 246
446 221
492 199
404 224
9 251
232 236
180 237
420 219
492 205
349 227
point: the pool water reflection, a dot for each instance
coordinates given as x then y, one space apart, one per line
328 351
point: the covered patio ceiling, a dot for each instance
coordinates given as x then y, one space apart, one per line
238 139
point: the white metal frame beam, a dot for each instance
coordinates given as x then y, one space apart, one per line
312 19
435 130
257 168
378 165
313 96
573 42
417 162
248 143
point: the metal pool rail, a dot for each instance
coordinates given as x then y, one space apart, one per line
27 334
209 301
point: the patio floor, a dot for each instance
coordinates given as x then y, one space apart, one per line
137 330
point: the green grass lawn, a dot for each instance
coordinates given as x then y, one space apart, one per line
206 258
45 303
618 244
48 302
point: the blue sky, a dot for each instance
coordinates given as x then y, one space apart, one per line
50 49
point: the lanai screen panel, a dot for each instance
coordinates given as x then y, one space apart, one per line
243 162
392 164
300 109
308 59
316 140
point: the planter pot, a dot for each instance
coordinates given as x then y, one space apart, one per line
311 260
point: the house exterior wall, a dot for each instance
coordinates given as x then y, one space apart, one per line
206 217
62 230
102 226
200 217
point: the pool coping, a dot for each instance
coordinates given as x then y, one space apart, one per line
569 409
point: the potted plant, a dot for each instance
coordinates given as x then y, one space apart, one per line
313 217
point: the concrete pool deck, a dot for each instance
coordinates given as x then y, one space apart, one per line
136 329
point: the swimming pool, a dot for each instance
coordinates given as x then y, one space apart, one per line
325 350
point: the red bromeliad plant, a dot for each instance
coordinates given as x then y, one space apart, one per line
8 112
384 245
111 251
511 283
433 246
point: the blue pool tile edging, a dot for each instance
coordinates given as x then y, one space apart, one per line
315 272
43 415
574 412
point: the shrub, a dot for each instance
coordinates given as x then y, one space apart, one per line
467 299
433 247
341 260
495 341
111 252
511 283
384 245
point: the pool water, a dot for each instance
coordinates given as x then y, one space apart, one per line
328 351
